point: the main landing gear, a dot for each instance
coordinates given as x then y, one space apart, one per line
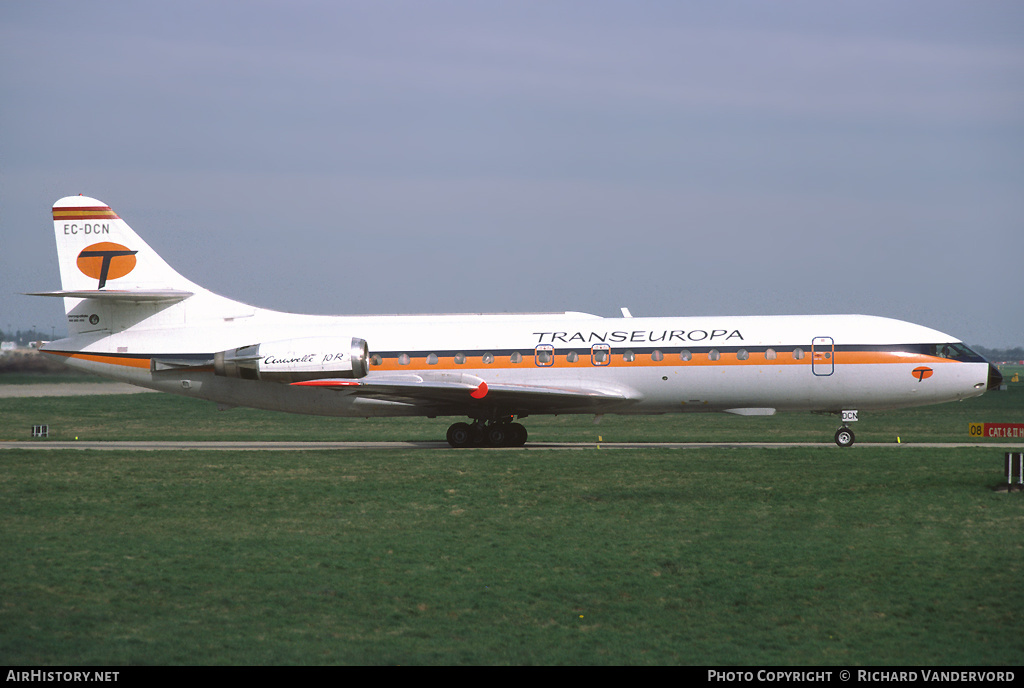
502 433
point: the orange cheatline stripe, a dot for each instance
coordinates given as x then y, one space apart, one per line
642 360
670 360
126 361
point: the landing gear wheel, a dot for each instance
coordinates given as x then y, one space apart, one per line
497 435
844 437
516 435
505 435
479 434
460 435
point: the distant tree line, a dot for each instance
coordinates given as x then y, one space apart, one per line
1014 354
23 337
33 362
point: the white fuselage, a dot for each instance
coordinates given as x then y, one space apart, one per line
744 364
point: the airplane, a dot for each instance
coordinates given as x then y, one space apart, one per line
133 318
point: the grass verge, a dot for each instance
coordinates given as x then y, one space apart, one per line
711 556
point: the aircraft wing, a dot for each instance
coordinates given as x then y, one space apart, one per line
464 394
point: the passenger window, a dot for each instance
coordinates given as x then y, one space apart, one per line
628 357
460 358
770 354
657 355
600 355
572 357
544 355
488 358
798 353
713 355
516 357
404 359
685 355
376 360
742 355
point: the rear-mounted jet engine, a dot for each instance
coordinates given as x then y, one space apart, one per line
295 360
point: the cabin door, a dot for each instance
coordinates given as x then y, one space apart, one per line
823 356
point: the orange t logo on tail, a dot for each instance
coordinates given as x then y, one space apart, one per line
106 260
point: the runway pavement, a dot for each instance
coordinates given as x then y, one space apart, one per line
43 444
69 389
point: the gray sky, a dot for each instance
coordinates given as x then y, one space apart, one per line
678 158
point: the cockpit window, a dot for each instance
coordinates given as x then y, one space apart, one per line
956 351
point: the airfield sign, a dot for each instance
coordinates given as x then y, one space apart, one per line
999 430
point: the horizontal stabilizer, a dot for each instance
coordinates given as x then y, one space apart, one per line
133 295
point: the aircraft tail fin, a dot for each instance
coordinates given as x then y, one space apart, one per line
112 280
99 252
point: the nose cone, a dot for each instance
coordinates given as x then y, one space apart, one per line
995 378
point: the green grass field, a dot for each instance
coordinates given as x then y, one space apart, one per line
811 555
168 417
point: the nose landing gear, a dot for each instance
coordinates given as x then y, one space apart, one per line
502 433
844 437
